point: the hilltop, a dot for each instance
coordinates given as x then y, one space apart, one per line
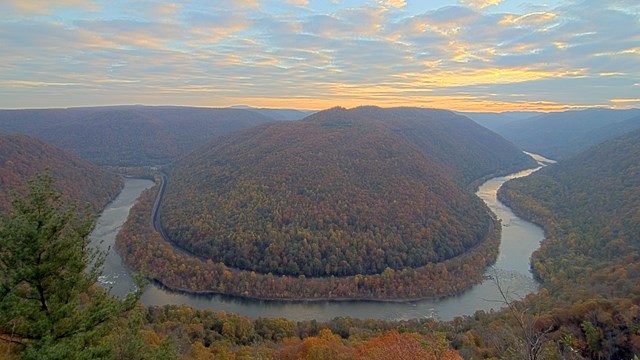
342 193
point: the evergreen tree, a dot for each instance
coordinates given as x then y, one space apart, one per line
49 303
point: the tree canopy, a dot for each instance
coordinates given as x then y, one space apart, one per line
49 304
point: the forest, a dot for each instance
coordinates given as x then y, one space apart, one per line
589 306
589 265
589 206
22 157
144 250
341 193
128 135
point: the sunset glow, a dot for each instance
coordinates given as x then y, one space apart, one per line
468 55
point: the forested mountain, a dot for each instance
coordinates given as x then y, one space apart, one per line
590 208
342 192
563 134
22 157
495 121
128 135
467 150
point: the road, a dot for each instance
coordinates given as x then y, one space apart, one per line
155 213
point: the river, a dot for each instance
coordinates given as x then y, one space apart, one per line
519 239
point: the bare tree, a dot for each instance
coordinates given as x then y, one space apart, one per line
531 338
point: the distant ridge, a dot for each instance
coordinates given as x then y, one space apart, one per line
470 151
495 121
564 134
277 114
23 157
129 135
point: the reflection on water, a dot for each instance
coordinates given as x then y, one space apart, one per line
519 239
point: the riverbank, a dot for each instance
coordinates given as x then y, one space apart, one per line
144 248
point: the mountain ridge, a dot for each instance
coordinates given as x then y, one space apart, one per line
23 157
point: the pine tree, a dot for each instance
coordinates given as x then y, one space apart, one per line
49 303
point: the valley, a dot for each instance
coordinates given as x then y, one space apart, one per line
312 180
365 166
310 210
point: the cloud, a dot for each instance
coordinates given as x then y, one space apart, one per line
298 2
252 4
479 4
212 27
394 3
165 10
262 53
42 7
536 19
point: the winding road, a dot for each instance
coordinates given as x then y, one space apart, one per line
157 226
155 214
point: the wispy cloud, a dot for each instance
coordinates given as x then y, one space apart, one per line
463 55
43 7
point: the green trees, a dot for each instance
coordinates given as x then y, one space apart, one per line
49 304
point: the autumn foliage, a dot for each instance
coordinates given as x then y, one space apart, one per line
23 157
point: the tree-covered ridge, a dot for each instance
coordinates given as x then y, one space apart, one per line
469 151
594 197
339 193
564 134
128 135
589 206
22 157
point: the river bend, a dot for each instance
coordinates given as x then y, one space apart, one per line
519 239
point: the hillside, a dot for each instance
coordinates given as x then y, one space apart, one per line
128 135
494 121
589 206
595 195
22 157
564 134
342 192
468 151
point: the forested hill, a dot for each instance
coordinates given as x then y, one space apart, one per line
590 208
468 150
22 157
595 194
564 134
128 135
342 192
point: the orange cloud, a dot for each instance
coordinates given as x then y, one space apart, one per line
167 9
479 4
636 100
298 2
394 3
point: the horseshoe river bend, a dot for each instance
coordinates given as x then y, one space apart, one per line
519 239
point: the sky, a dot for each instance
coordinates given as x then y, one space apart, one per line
465 55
